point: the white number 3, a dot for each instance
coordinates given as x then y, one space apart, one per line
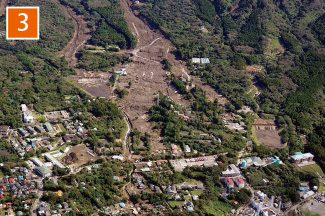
24 22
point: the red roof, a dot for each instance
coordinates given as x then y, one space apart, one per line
229 181
239 180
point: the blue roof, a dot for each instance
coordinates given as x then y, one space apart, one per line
190 208
303 188
121 204
299 156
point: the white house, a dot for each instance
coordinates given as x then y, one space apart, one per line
28 117
23 107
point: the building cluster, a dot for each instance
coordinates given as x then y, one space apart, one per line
262 205
233 122
22 184
305 191
30 138
258 162
44 169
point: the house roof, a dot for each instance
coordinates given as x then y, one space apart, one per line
299 156
4 128
229 181
239 180
43 169
48 126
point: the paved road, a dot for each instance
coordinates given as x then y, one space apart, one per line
36 204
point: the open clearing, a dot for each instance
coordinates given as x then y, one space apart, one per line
269 138
217 208
313 208
146 72
313 168
83 156
93 83
180 164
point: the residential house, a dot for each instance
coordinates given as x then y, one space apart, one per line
239 182
22 132
48 127
229 182
299 157
39 129
28 117
4 130
23 107
232 171
174 149
31 130
187 149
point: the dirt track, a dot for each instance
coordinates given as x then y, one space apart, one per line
80 36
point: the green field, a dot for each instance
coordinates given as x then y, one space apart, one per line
307 213
173 204
314 168
197 192
218 208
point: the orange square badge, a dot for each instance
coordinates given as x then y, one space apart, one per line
22 23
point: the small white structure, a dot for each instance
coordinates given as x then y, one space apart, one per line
117 157
187 149
121 71
195 60
205 61
308 194
23 107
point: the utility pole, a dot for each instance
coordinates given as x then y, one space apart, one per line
158 98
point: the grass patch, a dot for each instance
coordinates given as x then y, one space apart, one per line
72 82
314 168
197 192
308 213
218 208
173 203
62 128
39 118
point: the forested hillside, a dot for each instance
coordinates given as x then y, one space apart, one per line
285 37
107 22
30 72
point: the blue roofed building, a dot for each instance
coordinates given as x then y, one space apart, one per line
299 157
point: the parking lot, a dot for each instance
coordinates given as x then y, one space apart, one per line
206 161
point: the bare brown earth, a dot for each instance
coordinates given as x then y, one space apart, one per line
92 82
148 77
145 72
80 36
3 6
82 154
